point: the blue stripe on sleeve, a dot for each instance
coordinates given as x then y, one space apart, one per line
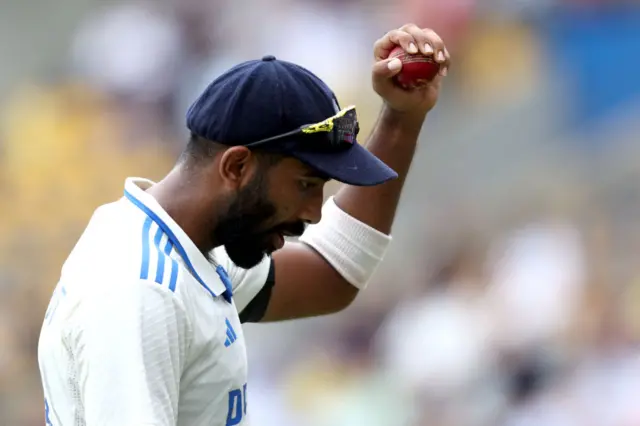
174 275
156 242
174 266
177 245
144 268
168 247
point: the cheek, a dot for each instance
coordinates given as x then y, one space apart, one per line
288 203
287 211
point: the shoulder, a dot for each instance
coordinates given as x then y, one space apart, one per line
112 235
122 253
139 309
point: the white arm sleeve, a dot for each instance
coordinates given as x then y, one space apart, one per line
130 346
246 282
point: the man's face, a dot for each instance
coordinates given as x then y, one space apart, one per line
279 201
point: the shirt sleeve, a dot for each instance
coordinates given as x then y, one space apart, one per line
247 283
130 346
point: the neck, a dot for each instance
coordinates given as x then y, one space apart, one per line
181 196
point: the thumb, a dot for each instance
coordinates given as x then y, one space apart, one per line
387 68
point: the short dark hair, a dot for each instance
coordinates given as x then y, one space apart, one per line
200 150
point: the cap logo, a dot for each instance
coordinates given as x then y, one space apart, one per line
344 122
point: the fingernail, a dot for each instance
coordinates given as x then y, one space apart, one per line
427 48
395 64
412 48
443 71
441 56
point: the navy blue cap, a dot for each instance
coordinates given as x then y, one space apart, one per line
259 99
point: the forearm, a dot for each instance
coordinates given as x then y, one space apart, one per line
345 251
393 140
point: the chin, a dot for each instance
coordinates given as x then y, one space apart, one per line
246 260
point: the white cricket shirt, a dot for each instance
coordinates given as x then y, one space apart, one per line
141 329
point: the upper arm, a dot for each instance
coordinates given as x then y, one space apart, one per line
306 285
323 272
297 282
130 348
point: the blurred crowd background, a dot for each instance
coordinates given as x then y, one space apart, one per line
511 294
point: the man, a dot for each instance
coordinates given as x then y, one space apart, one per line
144 327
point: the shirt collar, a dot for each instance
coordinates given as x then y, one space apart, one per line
201 269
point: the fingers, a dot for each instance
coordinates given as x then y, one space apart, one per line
387 67
444 67
393 38
414 39
427 40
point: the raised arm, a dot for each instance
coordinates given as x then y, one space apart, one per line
310 281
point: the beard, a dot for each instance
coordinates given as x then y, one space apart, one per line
243 230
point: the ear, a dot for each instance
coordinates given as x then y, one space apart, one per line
236 166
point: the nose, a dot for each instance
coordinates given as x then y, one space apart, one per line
312 209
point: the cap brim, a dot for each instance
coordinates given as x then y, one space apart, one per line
354 166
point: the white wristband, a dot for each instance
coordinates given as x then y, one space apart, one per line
353 248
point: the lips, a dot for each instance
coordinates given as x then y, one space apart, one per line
277 235
278 241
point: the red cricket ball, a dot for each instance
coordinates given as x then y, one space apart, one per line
417 69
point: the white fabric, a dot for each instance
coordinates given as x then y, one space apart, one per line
353 248
118 349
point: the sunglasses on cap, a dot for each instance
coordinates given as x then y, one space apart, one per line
337 133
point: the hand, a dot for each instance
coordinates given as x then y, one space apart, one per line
415 102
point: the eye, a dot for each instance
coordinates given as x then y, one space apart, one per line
308 185
305 185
